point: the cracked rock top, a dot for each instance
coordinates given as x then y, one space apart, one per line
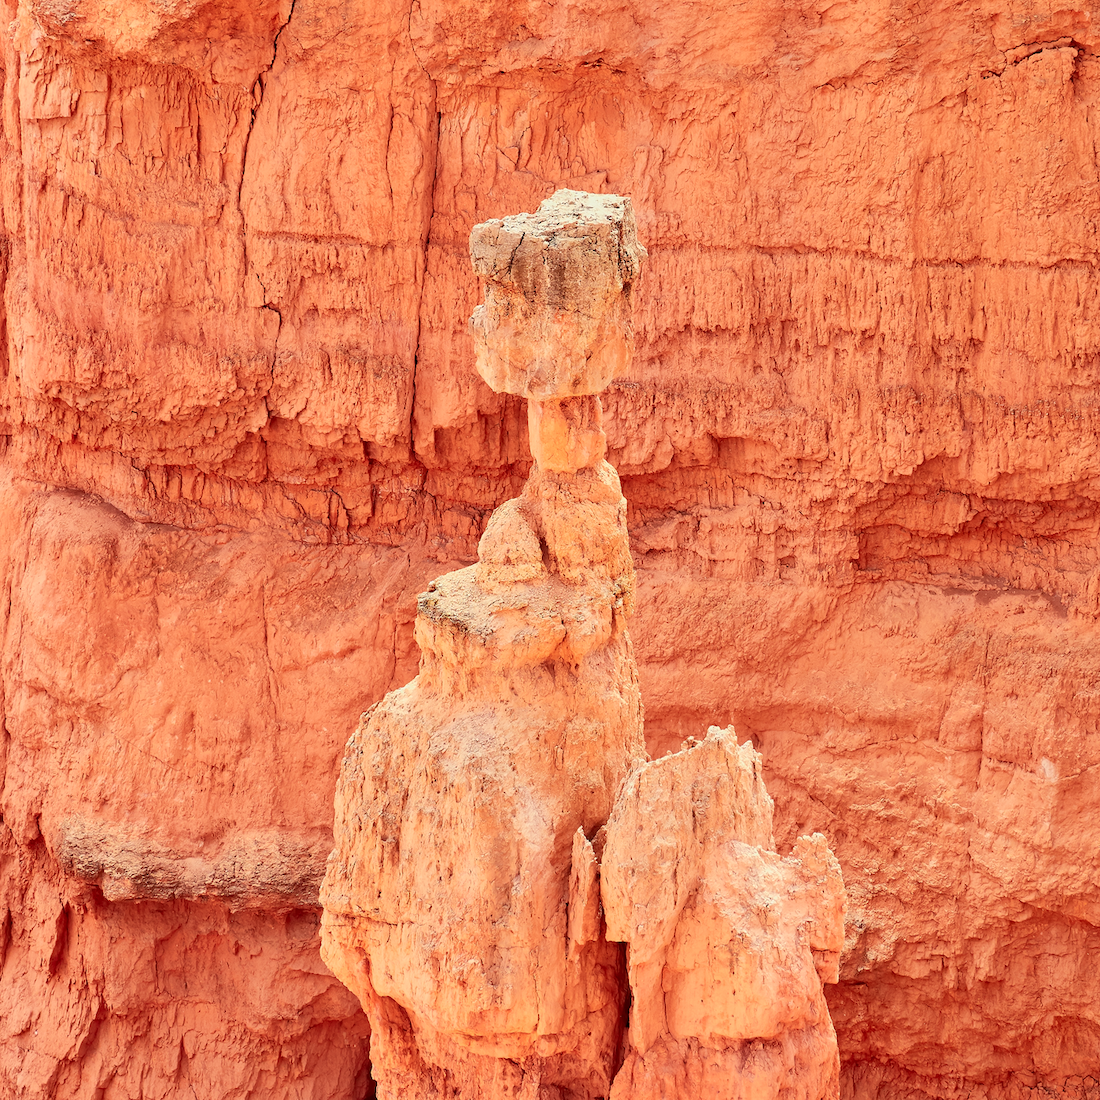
556 319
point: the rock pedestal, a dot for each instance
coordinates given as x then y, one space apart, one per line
462 902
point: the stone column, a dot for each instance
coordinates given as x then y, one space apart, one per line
462 900
496 820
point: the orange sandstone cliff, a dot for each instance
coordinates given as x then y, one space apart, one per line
857 444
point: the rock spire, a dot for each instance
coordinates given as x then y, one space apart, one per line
478 806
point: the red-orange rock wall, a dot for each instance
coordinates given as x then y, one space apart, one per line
859 443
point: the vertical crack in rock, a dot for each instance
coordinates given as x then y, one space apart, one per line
258 95
490 812
257 101
427 234
424 245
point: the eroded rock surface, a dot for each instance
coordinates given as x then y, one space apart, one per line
728 944
858 443
557 315
463 795
462 900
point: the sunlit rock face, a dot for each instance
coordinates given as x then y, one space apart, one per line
462 902
728 943
241 429
468 799
556 320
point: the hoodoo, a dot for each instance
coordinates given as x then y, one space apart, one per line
728 943
469 800
462 902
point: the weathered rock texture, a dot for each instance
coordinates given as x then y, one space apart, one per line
454 898
557 321
728 944
462 902
858 444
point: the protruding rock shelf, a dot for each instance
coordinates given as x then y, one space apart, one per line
462 902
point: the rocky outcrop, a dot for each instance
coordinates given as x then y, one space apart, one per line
467 800
728 944
477 806
857 443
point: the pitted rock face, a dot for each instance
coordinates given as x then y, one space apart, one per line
556 319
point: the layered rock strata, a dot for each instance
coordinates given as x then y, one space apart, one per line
858 442
462 902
